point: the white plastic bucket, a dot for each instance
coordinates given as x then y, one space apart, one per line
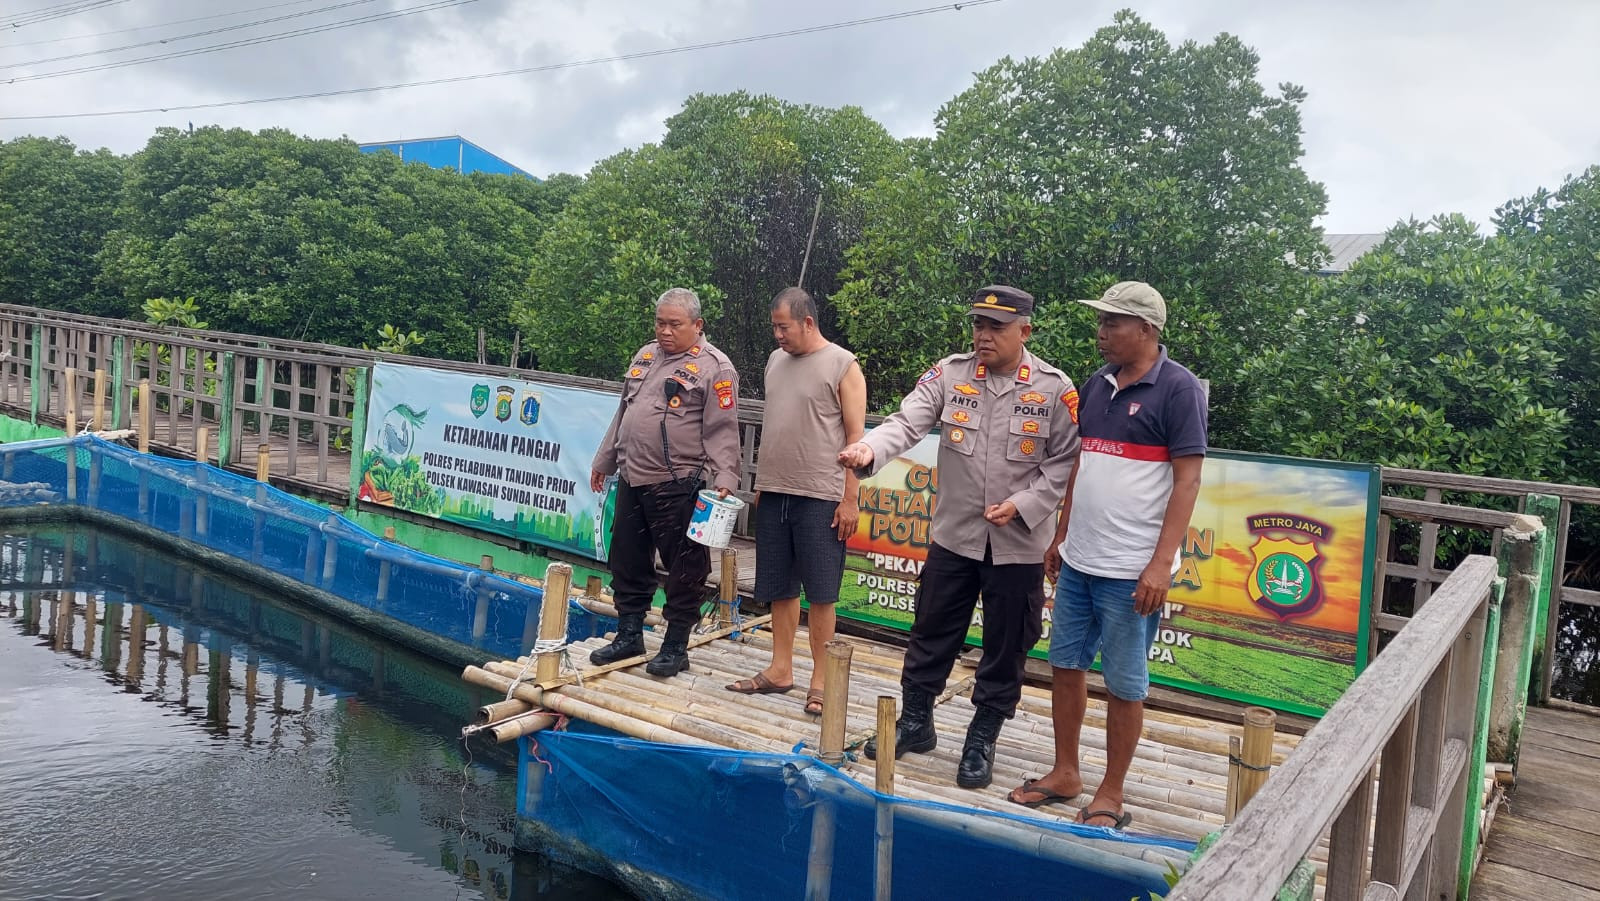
713 519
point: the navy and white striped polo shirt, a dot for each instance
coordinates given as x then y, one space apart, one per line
1125 468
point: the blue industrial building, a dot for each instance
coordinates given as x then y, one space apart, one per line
452 152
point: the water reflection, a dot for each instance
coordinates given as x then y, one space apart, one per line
252 750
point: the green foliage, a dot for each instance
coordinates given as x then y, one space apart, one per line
392 340
166 312
56 204
724 206
1431 353
1128 157
278 235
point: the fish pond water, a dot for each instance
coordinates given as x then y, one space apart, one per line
168 733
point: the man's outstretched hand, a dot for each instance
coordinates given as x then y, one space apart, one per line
856 456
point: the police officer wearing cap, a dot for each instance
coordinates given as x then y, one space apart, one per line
1008 439
677 419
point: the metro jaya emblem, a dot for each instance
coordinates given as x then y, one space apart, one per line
1284 581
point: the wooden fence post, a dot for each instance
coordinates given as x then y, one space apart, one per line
358 432
227 421
119 386
36 389
1522 549
98 422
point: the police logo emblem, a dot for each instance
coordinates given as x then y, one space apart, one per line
1284 580
1027 446
957 436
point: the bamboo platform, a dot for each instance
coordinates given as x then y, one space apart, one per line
1177 786
1545 839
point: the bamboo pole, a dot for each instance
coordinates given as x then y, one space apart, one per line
552 623
98 421
728 587
259 532
523 724
604 608
884 783
146 411
330 550
576 709
694 642
480 616
836 698
1259 725
593 587
501 710
202 445
1230 804
69 387
385 568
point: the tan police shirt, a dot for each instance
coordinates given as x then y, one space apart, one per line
1003 438
699 410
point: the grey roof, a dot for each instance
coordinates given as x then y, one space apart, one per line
1346 249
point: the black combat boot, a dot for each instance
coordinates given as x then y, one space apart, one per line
913 731
673 658
977 755
628 643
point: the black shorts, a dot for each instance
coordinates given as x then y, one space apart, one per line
797 547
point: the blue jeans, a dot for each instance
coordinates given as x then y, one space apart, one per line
1094 615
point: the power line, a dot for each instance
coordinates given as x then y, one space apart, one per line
184 37
102 34
57 11
243 42
528 70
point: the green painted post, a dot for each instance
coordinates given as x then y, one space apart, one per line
1524 549
1470 834
36 373
1548 508
230 396
119 386
358 432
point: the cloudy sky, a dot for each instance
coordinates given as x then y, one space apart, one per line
1416 106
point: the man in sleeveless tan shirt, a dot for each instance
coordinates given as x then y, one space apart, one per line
805 504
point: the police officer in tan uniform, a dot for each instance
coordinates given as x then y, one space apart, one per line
677 419
1008 440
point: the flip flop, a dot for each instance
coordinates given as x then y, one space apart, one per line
1032 785
1123 818
814 703
759 684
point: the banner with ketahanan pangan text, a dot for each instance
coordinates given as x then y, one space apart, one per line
503 455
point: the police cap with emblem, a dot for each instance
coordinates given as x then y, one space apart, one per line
1002 303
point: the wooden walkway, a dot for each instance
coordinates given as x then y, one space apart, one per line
1545 841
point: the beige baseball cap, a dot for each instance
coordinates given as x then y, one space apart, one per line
1133 299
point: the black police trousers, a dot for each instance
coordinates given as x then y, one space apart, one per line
947 593
652 519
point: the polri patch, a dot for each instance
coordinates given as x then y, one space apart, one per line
932 373
724 391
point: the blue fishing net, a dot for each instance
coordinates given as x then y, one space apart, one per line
292 537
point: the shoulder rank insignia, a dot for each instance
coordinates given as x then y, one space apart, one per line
694 351
1070 398
1024 373
983 372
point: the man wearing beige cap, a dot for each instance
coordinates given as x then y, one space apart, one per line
1143 422
1007 438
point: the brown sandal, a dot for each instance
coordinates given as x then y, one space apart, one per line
814 703
759 684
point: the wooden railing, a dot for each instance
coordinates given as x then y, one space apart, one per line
1551 501
1407 725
